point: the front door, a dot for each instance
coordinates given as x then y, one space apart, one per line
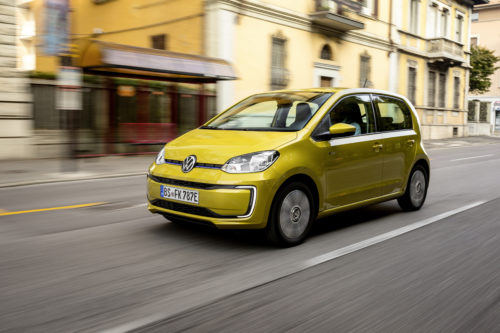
353 164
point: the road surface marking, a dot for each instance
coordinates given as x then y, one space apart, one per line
50 209
146 321
383 237
470 158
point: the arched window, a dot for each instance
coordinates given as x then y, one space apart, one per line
326 52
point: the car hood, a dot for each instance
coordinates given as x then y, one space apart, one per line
218 146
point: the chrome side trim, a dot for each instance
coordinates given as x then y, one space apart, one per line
370 137
253 200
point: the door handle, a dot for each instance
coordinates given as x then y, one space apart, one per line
378 147
410 143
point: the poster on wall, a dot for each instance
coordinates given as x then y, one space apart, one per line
56 26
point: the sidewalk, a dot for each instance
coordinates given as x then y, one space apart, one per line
39 171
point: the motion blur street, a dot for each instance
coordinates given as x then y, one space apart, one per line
86 255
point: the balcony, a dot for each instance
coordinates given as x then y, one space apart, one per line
443 51
330 14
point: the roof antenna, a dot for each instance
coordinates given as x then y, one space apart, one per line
364 84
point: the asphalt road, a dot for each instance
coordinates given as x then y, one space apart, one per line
115 267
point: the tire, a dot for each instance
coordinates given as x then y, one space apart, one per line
416 190
291 216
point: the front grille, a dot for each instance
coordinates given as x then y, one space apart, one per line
185 183
197 165
179 207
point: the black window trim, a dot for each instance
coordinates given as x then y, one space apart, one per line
369 94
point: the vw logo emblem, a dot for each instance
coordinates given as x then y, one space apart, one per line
189 163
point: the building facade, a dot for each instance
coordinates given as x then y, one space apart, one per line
484 109
418 48
15 97
114 106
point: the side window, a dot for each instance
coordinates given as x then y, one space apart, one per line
394 113
353 110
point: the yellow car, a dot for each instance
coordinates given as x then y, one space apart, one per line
280 160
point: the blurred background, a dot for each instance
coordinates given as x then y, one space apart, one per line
125 76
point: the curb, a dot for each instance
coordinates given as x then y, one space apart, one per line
63 180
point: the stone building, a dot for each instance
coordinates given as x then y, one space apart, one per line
15 96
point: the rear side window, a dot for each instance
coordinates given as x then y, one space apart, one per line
393 114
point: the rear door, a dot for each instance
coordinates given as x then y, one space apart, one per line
394 120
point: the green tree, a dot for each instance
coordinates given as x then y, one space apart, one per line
483 63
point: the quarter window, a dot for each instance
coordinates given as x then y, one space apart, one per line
394 114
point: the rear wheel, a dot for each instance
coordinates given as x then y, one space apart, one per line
292 214
416 190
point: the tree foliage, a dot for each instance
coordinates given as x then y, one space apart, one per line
483 63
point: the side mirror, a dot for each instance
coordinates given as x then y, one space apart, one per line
341 129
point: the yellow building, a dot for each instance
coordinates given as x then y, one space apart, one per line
152 76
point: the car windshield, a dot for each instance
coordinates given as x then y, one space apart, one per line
278 111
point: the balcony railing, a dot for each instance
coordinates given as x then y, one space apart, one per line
445 51
330 13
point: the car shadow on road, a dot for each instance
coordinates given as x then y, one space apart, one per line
255 239
354 217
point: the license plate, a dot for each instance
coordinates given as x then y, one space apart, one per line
179 194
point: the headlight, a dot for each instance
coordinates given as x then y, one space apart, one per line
160 158
254 162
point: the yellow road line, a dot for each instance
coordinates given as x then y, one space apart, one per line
49 209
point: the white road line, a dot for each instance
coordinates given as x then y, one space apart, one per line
383 237
470 158
158 317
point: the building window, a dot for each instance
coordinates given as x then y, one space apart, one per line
159 42
456 99
364 71
473 41
432 20
459 28
412 84
279 74
326 52
369 7
326 81
431 96
444 22
474 17
414 5
442 90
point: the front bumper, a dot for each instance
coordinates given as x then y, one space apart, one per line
228 201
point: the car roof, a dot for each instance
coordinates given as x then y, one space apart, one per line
344 91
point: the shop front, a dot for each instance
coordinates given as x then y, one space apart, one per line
137 99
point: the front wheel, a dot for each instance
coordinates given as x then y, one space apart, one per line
292 214
416 190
